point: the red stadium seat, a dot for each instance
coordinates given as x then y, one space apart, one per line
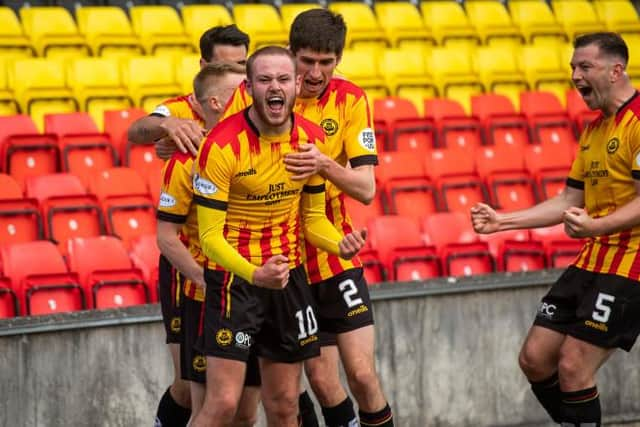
461 251
83 148
500 121
453 172
374 270
402 250
561 250
400 127
359 213
578 110
24 151
145 254
549 164
116 125
513 251
154 182
454 126
106 272
20 220
8 300
548 120
67 209
40 278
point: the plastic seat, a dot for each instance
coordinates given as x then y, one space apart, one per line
40 87
13 42
454 74
67 209
536 22
618 15
40 278
493 22
106 272
399 244
514 252
374 270
454 126
452 170
579 113
126 202
8 103
403 24
160 29
499 71
360 66
116 125
460 250
24 151
9 306
186 66
361 214
561 250
501 123
53 31
108 31
98 87
198 18
83 149
548 120
399 127
20 219
549 164
363 25
548 72
262 23
153 178
144 254
407 190
448 23
289 11
576 17
149 89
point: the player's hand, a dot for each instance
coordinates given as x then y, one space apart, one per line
306 162
165 148
186 134
351 243
484 219
578 223
274 274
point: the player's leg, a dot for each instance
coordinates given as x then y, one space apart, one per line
247 412
193 362
306 411
280 392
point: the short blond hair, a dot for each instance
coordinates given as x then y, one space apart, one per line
205 81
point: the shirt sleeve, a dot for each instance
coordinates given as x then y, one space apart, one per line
635 153
317 228
162 110
359 136
176 193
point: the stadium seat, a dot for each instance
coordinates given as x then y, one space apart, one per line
633 67
53 32
460 250
24 151
545 69
106 272
40 278
83 149
503 170
8 103
144 254
98 87
20 220
160 30
549 165
149 89
399 244
500 121
153 178
399 127
198 18
363 25
576 17
548 120
402 24
561 250
374 270
359 213
454 126
492 22
536 22
186 66
126 203
360 66
454 74
66 207
579 113
448 23
452 170
116 125
262 23
619 16
499 71
9 306
407 190
108 31
289 11
13 42
40 87
514 252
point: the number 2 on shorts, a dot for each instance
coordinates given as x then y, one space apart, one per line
603 311
349 289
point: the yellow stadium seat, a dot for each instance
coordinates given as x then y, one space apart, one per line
499 71
406 75
198 18
40 87
454 74
492 21
448 22
359 66
536 21
289 11
403 24
187 66
13 42
108 31
150 80
362 24
98 86
576 17
53 32
262 23
545 69
618 15
160 29
633 68
8 103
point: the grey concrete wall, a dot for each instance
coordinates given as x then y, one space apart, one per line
445 359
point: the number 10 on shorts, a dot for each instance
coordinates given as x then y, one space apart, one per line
307 323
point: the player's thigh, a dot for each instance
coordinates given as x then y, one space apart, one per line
541 348
225 379
197 391
324 365
169 295
580 356
357 349
280 380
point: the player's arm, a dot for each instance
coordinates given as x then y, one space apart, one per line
169 132
176 252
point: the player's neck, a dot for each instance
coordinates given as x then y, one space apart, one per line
620 99
266 129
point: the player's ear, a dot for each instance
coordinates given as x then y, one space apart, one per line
298 84
247 85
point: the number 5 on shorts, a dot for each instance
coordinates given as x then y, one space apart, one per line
311 326
603 311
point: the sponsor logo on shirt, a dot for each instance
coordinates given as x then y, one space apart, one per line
367 139
162 110
167 200
203 186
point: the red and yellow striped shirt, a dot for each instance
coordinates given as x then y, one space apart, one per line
180 107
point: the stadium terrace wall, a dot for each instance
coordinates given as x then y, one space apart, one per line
447 354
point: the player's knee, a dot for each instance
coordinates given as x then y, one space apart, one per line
282 406
181 393
245 419
532 364
363 379
222 407
571 369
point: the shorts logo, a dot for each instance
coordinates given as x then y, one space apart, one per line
596 325
224 336
612 145
547 310
175 325
360 310
199 363
329 126
203 186
243 340
162 110
367 139
167 200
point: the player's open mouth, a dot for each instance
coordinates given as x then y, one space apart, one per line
585 91
313 84
275 103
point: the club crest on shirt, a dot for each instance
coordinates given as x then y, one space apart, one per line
329 126
612 145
